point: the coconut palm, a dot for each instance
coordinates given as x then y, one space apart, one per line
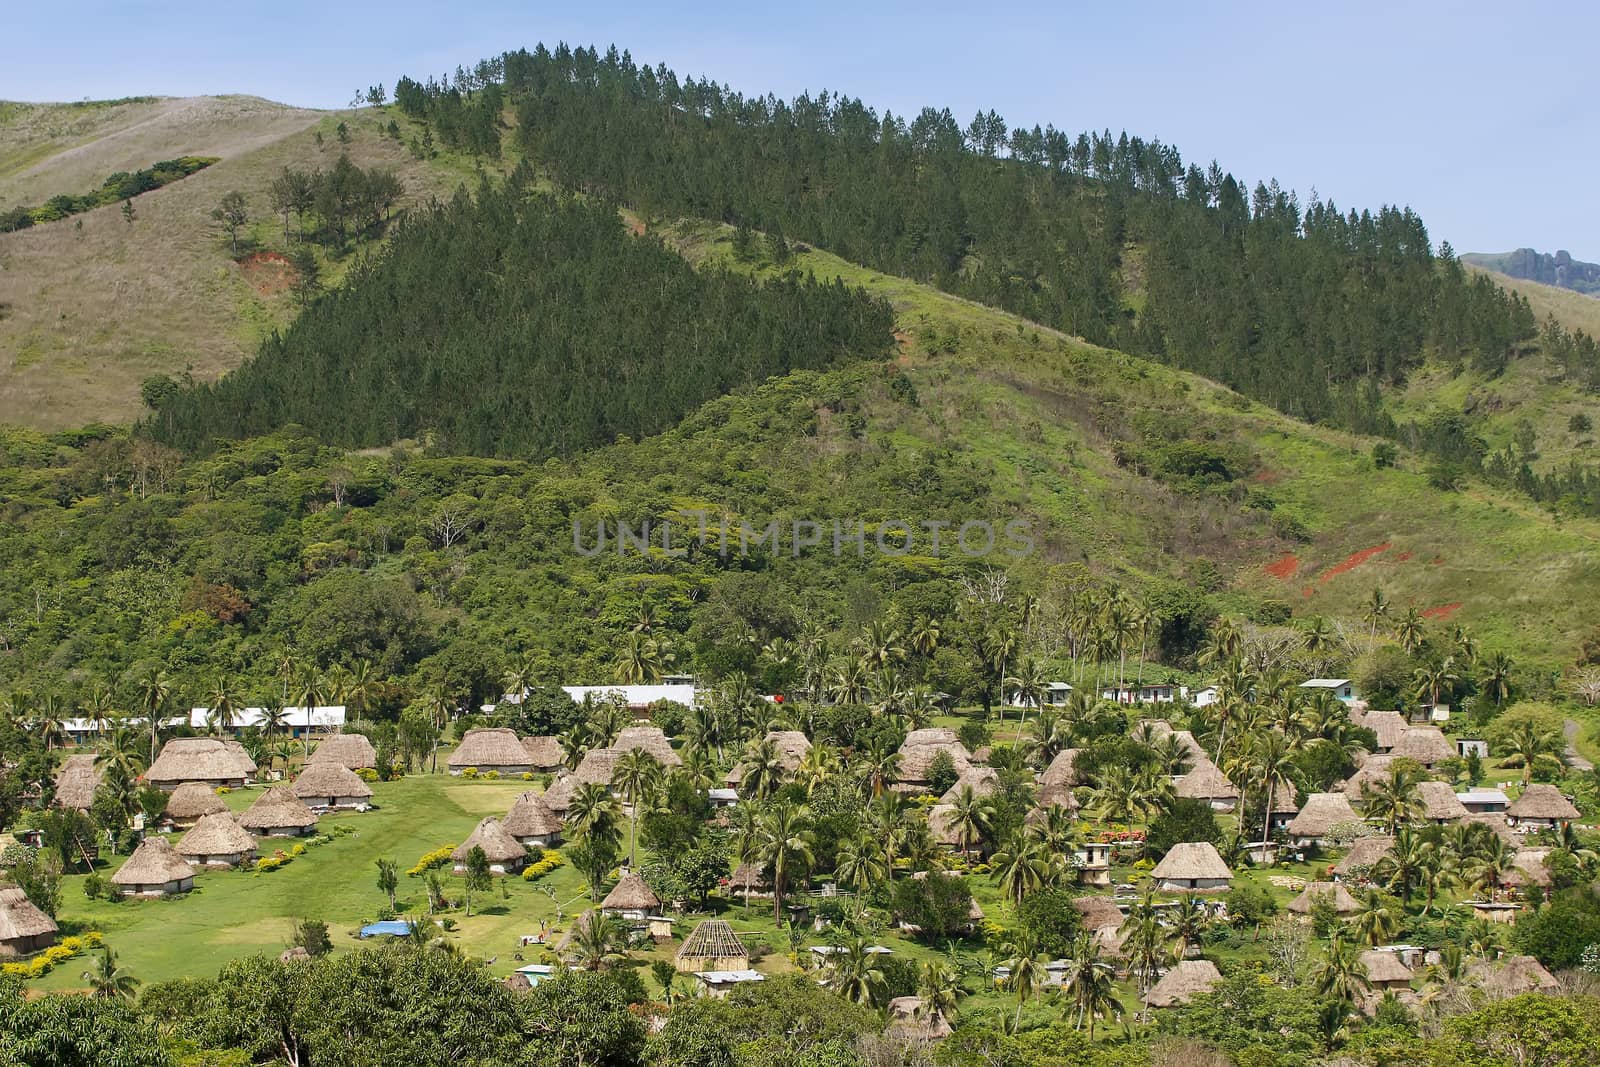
1341 975
1022 867
763 769
886 821
1401 868
1377 921
861 862
1531 747
1436 680
1272 764
1395 798
1316 635
1055 831
1027 688
1144 943
784 842
924 635
1089 984
1411 630
110 982
1187 924
595 815
1026 971
820 763
49 722
155 693
638 776
939 989
1496 680
1485 869
224 705
854 973
363 687
1373 611
970 816
597 942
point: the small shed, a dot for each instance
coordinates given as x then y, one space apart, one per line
719 984
712 946
1193 865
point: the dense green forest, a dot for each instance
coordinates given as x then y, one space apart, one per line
119 186
515 323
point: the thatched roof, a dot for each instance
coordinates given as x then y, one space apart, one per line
1098 912
910 1018
1206 782
76 783
792 747
631 894
982 780
1321 813
350 750
329 780
712 939
1160 728
558 797
1527 868
1495 821
201 759
216 835
1386 967
191 800
1373 769
650 738
491 836
1190 861
922 747
489 748
544 751
941 824
154 862
1187 979
20 918
1440 803
1542 801
530 816
277 809
751 877
1388 725
1364 852
1061 771
1514 975
1425 744
1343 902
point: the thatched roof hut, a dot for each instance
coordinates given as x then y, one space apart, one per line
1426 744
1439 802
1192 865
1387 725
750 878
1541 804
1373 769
349 750
597 767
1343 902
909 1017
1528 869
558 797
504 852
712 946
982 780
1057 780
544 752
1187 979
942 825
792 747
216 841
1320 814
278 813
1207 782
24 929
191 802
331 785
531 821
490 748
1497 823
77 782
154 869
1386 970
650 738
1098 913
201 759
922 747
631 898
1364 854
1514 975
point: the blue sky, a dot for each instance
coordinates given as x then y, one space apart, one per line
1485 117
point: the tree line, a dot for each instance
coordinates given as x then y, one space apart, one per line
509 323
119 186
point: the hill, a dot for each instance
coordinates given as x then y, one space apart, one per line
1559 270
93 305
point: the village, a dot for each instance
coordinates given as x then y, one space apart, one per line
1093 847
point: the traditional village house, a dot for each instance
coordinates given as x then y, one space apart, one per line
918 752
650 738
330 786
1186 980
278 813
1334 892
1439 803
1364 854
712 946
189 803
1194 865
631 899
1513 975
1484 801
1386 970
544 753
77 782
353 751
24 929
155 869
504 852
1425 744
1540 807
1387 725
792 746
208 760
909 1018
490 748
1207 782
1318 816
532 822
217 841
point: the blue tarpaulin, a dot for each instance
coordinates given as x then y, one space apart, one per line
392 928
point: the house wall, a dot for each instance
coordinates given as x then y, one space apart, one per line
27 946
691 964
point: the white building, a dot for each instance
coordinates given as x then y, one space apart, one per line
1164 693
1204 697
1342 688
636 697
1056 694
297 722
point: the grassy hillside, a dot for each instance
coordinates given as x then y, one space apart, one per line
87 312
1574 310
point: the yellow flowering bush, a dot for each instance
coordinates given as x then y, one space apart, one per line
437 858
470 772
549 859
55 955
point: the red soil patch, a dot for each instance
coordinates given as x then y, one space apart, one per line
268 273
1308 592
1443 611
1266 477
1283 567
1402 557
1435 561
1354 560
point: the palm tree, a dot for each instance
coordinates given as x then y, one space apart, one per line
594 814
1089 983
1497 677
1027 972
854 974
1402 867
861 862
924 636
785 843
1187 924
1022 867
224 701
820 763
1144 616
1394 798
1144 943
970 816
637 775
1485 869
1341 975
1434 680
1316 635
120 747
1377 921
939 989
641 659
155 692
1272 760
1410 631
1374 611
362 687
597 942
50 722
1531 746
1028 686
275 720
109 981
763 769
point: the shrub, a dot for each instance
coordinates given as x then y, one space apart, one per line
470 772
268 864
548 861
1050 918
223 790
493 776
367 774
432 860
527 776
94 887
298 850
